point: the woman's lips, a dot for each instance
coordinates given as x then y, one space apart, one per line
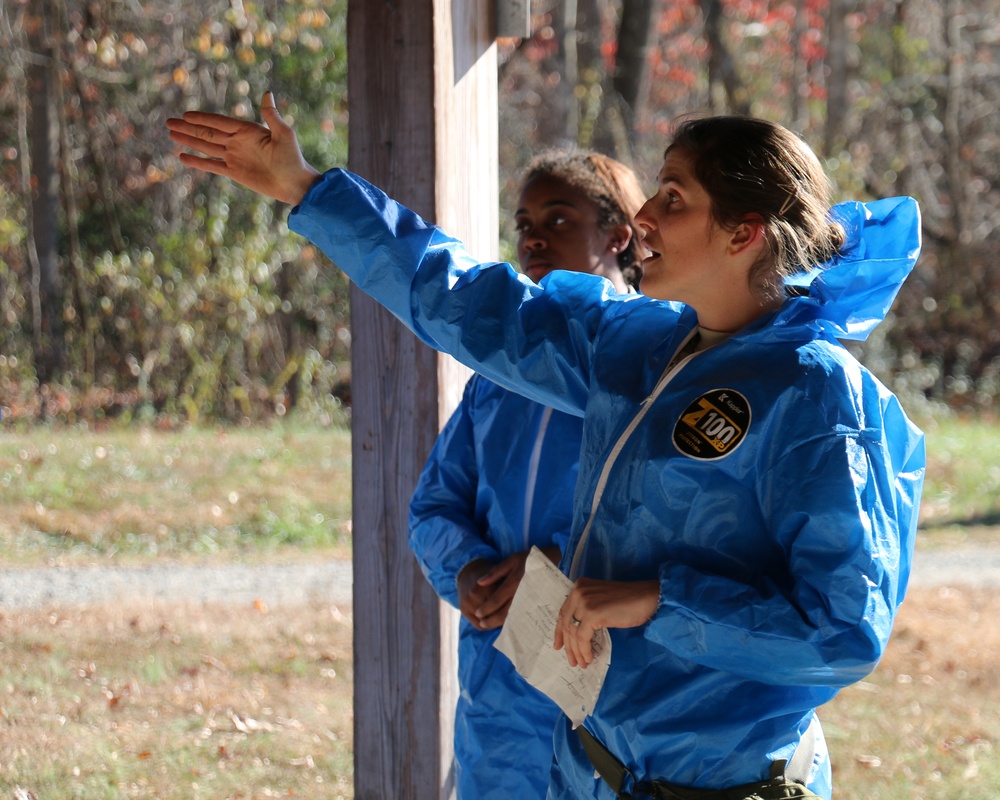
537 266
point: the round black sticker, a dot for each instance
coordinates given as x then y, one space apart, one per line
713 425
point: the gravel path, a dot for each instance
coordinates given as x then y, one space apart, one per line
330 581
968 565
274 584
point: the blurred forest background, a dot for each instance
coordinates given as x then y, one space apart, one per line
131 288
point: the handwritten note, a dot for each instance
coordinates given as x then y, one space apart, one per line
526 639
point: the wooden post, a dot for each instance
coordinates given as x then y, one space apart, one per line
422 82
513 18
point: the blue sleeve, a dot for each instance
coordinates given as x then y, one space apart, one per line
444 534
528 339
843 508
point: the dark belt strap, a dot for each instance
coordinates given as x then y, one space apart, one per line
613 772
608 767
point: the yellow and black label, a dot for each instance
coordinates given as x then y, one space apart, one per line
713 425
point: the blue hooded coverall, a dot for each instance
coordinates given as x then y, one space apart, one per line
499 479
770 484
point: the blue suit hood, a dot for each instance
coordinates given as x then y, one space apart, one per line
851 294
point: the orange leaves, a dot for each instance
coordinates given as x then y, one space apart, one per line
117 698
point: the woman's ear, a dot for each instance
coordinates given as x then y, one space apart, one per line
618 238
747 234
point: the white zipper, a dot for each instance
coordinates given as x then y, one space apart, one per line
536 456
661 384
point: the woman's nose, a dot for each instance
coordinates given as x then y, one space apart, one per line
643 219
531 239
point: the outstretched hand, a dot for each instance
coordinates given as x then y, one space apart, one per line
264 158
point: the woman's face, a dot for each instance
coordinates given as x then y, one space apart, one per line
686 244
557 229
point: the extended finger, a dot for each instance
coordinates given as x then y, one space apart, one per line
584 637
494 574
499 600
569 626
206 146
502 595
269 111
471 601
512 565
496 619
214 165
218 122
491 605
185 127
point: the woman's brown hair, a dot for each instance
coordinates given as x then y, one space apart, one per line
751 167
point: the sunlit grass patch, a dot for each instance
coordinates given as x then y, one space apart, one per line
962 488
80 494
177 702
924 726
222 702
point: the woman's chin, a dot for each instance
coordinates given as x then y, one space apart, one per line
653 288
537 273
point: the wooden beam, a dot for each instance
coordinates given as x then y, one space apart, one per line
423 103
513 19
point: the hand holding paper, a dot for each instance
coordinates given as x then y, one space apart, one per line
528 634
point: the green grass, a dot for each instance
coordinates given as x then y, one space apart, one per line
73 494
961 498
78 494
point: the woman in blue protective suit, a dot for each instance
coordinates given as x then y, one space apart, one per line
500 480
748 492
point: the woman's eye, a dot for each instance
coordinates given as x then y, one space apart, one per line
521 226
557 221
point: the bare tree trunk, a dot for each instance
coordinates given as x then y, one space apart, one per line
555 126
80 292
591 74
835 126
626 89
290 336
43 130
799 111
24 163
571 67
906 134
721 68
98 140
636 35
957 173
